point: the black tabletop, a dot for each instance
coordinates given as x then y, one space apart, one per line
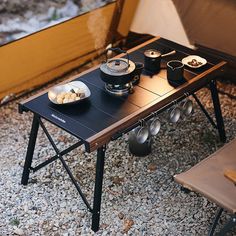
87 119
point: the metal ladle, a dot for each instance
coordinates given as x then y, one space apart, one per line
187 106
174 114
154 125
142 133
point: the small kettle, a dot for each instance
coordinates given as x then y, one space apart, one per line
120 71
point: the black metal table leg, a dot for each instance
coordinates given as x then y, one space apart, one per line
98 188
204 111
218 113
30 150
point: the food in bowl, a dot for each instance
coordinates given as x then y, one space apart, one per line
70 93
71 96
194 62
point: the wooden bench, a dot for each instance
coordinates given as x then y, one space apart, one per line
215 179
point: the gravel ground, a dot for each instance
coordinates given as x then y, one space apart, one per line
139 196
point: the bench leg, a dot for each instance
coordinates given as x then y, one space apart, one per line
228 226
30 150
217 217
217 109
98 188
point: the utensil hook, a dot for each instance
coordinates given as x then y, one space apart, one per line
140 123
186 94
154 113
175 102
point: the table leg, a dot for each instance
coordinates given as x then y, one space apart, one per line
30 150
214 224
98 188
218 113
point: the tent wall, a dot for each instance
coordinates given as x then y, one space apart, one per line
159 18
210 23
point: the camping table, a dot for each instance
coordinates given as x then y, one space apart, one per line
104 117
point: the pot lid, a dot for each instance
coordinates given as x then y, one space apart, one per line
118 66
153 53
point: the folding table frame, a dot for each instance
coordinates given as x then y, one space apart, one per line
96 208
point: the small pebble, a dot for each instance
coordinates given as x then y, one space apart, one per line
18 231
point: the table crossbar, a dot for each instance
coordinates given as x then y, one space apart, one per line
54 158
59 156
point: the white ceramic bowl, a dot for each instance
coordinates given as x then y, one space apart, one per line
188 59
55 91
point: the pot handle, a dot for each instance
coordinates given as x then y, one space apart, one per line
168 54
119 50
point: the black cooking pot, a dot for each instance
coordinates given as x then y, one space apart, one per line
139 149
119 71
152 60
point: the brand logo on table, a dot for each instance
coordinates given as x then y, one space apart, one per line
58 118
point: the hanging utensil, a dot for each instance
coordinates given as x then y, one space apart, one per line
142 132
187 107
154 125
174 113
